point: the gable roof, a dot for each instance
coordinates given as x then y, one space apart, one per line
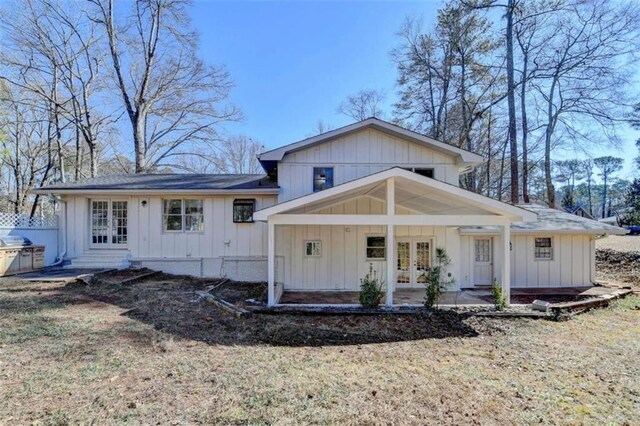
374 123
555 222
427 188
165 182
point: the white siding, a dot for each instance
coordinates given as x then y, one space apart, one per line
343 261
147 240
573 262
357 155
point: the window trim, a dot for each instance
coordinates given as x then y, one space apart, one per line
366 247
183 216
552 246
243 201
313 179
318 242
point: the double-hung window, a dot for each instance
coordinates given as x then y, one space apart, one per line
543 248
376 247
182 215
322 178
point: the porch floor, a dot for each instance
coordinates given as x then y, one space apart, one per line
405 296
411 296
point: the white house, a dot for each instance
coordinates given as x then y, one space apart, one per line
326 209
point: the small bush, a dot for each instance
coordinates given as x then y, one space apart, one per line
498 298
436 282
370 289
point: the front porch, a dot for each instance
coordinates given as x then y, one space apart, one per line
396 206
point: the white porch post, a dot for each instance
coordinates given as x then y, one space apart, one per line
506 262
391 210
271 261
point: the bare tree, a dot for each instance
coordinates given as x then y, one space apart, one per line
236 154
583 75
363 105
174 101
608 165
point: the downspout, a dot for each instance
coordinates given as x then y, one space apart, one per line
61 256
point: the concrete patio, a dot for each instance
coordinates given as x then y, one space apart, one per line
480 296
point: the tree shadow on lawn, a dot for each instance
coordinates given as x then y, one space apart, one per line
172 307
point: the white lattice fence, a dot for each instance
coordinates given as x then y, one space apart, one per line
13 220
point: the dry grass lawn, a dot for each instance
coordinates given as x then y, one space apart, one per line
147 354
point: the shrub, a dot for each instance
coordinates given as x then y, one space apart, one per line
498 298
370 289
436 281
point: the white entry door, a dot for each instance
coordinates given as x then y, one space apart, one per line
413 261
483 261
108 224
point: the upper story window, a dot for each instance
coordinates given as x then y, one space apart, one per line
422 171
182 215
322 178
243 211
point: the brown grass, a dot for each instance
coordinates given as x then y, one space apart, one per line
147 353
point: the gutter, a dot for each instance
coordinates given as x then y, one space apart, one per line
105 191
61 256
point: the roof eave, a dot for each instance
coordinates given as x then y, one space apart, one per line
106 191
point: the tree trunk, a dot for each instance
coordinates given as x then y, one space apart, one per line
604 194
551 191
511 100
525 130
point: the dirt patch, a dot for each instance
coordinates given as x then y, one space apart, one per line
612 265
151 353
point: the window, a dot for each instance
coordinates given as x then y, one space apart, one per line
422 171
182 215
376 247
243 211
313 248
322 178
483 250
543 248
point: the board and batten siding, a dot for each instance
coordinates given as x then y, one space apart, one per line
573 263
147 239
343 259
357 155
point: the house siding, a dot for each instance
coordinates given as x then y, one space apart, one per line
343 260
573 263
356 155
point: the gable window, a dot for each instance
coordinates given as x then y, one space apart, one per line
182 215
322 178
376 247
243 211
543 248
313 248
426 172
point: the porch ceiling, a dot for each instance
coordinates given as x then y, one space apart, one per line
409 195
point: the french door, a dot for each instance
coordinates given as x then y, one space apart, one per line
108 223
413 261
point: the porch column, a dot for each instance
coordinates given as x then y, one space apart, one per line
391 210
390 261
506 262
271 262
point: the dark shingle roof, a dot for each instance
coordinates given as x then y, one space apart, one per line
168 181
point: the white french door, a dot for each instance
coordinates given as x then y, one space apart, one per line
108 223
413 259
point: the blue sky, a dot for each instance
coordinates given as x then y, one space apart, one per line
293 62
